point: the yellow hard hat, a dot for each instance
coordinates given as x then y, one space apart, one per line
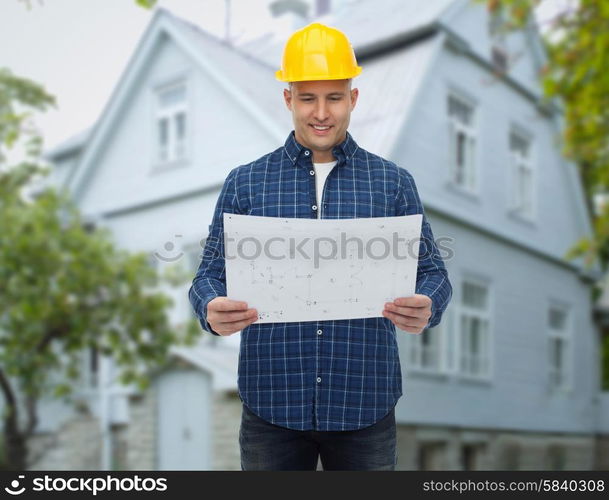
317 52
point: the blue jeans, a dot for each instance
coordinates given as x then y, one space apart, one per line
265 446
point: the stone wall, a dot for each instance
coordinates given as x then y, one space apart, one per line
602 452
226 418
76 446
139 437
438 448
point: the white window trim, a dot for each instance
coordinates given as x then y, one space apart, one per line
470 131
415 342
448 356
157 114
169 113
567 336
516 162
445 332
486 316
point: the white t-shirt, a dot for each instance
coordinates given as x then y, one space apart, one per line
321 172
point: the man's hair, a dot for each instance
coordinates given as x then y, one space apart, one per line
348 79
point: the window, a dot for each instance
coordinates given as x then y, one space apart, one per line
522 175
90 359
424 350
471 456
474 345
432 456
497 35
559 347
499 58
90 224
511 456
431 350
171 123
462 143
556 457
93 364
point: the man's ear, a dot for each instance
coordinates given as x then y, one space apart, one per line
287 96
354 96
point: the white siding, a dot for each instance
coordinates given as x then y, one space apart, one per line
222 138
521 286
424 151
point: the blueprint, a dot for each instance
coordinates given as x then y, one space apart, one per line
320 269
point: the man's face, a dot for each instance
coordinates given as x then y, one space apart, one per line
326 103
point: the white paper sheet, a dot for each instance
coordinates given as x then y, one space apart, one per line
320 269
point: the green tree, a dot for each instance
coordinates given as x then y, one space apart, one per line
577 77
63 288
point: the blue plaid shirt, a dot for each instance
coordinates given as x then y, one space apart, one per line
319 375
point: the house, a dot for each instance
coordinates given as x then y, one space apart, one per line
508 380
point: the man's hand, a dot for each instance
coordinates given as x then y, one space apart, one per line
410 314
227 316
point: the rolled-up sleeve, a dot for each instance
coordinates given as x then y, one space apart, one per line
432 276
210 279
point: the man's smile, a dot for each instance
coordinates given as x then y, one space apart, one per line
320 129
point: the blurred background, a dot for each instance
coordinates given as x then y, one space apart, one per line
118 126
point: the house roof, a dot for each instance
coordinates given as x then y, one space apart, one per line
376 120
396 63
68 146
360 22
255 78
255 62
388 86
219 360
252 84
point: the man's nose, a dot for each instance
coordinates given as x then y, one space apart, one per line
321 111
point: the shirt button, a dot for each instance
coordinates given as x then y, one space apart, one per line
318 380
307 153
314 207
312 172
319 332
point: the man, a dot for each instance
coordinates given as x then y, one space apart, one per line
319 389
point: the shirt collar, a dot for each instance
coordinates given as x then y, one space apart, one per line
343 151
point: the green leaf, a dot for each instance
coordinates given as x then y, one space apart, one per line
147 4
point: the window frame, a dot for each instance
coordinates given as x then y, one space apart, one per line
444 364
517 163
567 336
487 317
171 113
455 127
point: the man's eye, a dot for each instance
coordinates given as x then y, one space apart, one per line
309 99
